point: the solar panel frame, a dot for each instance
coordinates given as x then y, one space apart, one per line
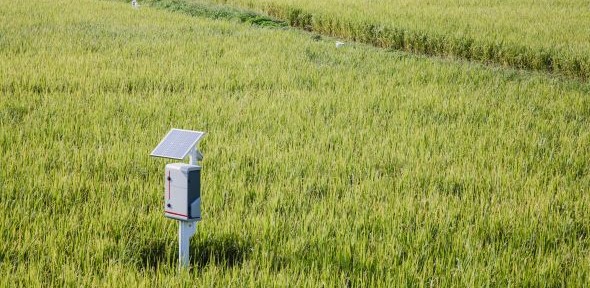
177 143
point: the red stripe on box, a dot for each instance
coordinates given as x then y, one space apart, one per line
177 214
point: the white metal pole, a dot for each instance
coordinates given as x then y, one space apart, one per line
186 229
193 156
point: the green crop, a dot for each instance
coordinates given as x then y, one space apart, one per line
323 167
535 35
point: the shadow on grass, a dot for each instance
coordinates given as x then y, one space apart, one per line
227 250
156 253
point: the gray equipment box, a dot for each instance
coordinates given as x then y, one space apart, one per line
182 192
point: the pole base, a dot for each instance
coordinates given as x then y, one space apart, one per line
186 230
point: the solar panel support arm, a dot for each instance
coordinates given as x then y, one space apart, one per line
194 156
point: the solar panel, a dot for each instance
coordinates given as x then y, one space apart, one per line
177 144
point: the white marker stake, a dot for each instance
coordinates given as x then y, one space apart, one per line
186 230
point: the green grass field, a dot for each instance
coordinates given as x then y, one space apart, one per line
530 34
323 167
